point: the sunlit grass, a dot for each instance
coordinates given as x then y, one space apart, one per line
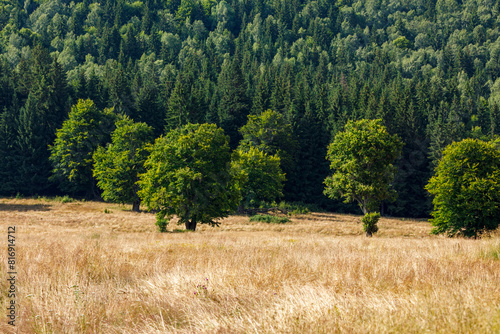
85 271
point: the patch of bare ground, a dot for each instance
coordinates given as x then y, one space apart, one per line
82 270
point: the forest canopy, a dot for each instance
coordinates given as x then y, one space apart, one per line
428 68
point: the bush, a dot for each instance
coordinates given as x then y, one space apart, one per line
294 208
370 221
269 219
162 225
64 199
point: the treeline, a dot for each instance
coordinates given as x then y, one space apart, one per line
428 68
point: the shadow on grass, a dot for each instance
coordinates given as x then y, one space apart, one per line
178 230
24 207
320 216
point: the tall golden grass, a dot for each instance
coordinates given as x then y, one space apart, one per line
81 270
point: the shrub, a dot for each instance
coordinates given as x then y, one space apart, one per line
370 221
298 208
162 224
294 208
269 219
64 199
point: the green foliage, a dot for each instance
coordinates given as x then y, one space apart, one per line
269 219
429 69
294 208
466 189
401 42
298 208
272 134
258 175
116 167
162 223
234 104
370 221
71 155
361 158
64 199
188 175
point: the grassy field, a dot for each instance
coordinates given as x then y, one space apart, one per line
86 267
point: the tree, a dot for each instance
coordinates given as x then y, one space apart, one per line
8 152
466 189
272 134
36 119
259 175
234 104
188 175
31 158
362 157
77 139
117 167
183 106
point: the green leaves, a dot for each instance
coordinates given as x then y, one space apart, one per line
370 221
258 175
272 134
80 135
362 157
117 166
466 189
188 174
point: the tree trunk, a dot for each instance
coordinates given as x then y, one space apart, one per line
191 225
369 234
92 193
136 205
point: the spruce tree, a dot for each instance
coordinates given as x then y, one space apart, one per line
234 105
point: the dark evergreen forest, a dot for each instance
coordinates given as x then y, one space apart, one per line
428 68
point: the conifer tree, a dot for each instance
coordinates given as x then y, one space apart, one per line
234 105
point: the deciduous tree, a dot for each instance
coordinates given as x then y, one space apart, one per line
466 189
272 134
259 175
361 157
117 166
188 175
71 155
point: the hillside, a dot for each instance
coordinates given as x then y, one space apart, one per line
428 68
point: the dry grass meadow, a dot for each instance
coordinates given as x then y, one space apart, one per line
82 270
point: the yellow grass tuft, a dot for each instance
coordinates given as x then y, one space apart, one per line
81 270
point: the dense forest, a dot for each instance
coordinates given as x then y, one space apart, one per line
428 68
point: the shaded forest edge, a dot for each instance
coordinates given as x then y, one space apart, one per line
429 69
